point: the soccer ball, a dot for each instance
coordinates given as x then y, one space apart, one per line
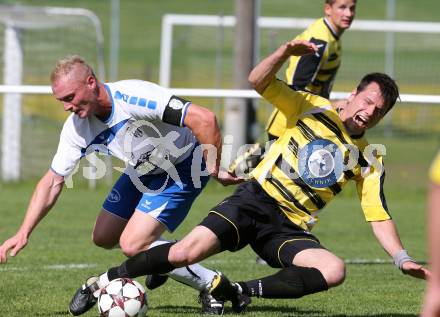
122 297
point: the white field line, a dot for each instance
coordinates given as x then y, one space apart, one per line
69 266
80 266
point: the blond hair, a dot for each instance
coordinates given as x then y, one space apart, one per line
331 2
66 65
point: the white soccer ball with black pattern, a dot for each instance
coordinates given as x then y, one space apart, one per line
122 297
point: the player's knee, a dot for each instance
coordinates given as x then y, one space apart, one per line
334 272
103 241
181 255
130 248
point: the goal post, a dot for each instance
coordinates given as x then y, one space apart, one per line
32 39
12 75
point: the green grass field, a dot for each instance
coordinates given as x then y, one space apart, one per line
60 255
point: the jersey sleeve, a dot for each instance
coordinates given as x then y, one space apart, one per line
302 70
371 193
148 101
434 172
290 102
67 156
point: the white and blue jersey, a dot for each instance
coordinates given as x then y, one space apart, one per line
144 115
145 130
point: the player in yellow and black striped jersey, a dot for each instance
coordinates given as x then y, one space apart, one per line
313 73
431 305
316 72
298 178
434 172
304 169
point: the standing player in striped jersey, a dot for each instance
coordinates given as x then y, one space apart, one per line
322 149
316 72
431 306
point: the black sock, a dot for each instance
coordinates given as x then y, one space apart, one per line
151 261
290 282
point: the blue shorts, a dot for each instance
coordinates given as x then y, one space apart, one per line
169 206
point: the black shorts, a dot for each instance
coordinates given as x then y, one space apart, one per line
251 216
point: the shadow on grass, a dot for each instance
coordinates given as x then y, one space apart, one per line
284 311
55 313
287 311
170 309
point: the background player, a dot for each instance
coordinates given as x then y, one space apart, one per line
316 72
431 306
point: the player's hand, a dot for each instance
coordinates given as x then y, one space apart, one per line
16 243
225 178
300 48
416 270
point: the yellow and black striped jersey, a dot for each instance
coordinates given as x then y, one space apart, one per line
434 172
315 158
314 73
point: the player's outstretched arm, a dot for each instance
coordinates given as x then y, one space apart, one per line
203 124
266 70
43 198
387 235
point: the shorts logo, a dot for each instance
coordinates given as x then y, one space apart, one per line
320 163
114 196
146 205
